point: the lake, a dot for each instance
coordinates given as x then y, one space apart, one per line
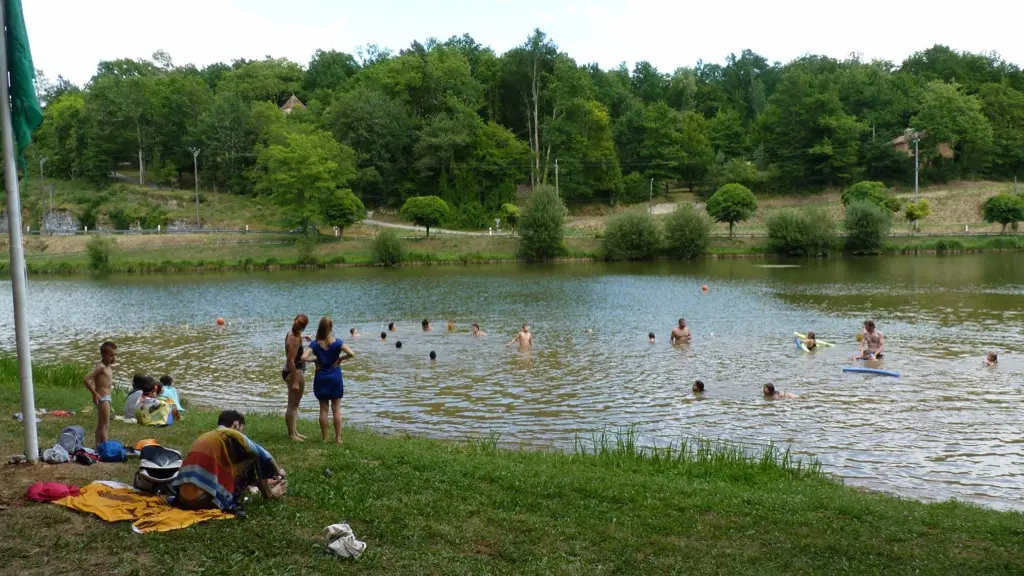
948 428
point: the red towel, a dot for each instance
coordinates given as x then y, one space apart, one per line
61 413
50 491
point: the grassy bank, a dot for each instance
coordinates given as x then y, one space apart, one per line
426 506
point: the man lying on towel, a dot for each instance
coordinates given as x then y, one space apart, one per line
222 464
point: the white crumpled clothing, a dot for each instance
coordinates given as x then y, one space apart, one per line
56 455
342 542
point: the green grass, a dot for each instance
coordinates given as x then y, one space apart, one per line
443 507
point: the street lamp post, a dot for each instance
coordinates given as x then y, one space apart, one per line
195 167
42 190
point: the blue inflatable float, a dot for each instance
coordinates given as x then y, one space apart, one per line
862 370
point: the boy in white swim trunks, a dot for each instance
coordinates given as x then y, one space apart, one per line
99 382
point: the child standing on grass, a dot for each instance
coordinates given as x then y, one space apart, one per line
99 382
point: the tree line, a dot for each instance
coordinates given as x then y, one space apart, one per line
456 120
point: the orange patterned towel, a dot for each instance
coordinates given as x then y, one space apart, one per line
114 502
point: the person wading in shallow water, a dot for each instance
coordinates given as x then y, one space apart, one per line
294 374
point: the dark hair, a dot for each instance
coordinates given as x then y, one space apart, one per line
229 417
398 344
810 335
476 325
993 356
148 385
771 388
139 381
323 330
383 335
108 345
869 324
352 331
166 380
525 325
433 355
699 385
650 334
425 323
300 323
391 325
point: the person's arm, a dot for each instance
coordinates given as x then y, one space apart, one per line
672 337
881 344
862 345
291 347
90 383
514 340
348 355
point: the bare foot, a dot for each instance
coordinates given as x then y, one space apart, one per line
297 438
337 440
303 436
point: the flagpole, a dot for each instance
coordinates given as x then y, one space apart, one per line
18 278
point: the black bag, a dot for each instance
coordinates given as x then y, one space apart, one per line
158 467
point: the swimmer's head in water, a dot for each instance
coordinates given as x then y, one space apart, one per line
398 344
476 326
451 326
433 355
425 323
391 326
682 322
993 357
698 386
383 335
769 390
526 327
650 336
810 335
869 325
353 331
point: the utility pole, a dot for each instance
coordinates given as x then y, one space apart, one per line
917 139
195 167
650 200
42 190
556 176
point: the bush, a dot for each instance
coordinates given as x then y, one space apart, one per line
155 216
687 233
732 203
874 192
306 246
542 225
915 211
635 188
1004 209
387 249
867 224
803 233
122 218
631 235
426 211
510 216
99 249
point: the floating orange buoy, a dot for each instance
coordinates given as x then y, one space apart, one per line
704 288
220 321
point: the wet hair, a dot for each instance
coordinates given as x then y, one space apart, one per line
476 325
398 344
383 335
810 335
352 331
698 386
425 323
869 324
433 355
139 381
300 323
323 330
229 417
992 357
770 388
682 320
650 335
391 325
108 345
525 326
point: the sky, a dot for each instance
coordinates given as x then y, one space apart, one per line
69 37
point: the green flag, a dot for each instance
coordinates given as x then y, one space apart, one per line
26 114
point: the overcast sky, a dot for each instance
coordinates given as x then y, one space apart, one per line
70 37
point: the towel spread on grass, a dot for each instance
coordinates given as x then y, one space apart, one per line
114 502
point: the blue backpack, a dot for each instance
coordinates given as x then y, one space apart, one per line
111 451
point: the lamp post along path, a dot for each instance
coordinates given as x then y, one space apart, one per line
195 179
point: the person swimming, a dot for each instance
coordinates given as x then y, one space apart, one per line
771 394
477 331
991 360
698 387
391 327
354 332
383 336
426 325
810 342
650 338
433 356
398 345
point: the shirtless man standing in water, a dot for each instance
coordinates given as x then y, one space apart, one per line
100 382
873 341
680 334
525 338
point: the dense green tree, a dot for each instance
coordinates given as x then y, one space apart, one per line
269 80
510 216
874 192
426 211
542 225
948 115
328 71
732 203
1003 209
342 209
1004 108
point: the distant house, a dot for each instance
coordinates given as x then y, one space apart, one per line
905 142
292 103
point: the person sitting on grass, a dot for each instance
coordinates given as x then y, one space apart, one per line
771 394
222 464
153 409
991 360
165 389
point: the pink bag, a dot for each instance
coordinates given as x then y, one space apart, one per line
50 491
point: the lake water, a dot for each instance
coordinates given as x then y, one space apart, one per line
948 428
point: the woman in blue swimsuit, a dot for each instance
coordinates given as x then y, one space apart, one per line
328 386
